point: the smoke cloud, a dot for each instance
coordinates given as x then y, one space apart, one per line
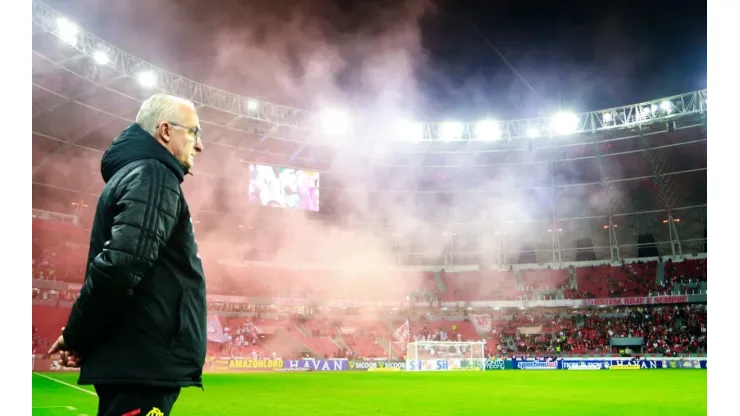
312 54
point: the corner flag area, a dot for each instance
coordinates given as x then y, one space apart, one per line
604 393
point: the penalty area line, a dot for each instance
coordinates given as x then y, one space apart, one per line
55 407
92 393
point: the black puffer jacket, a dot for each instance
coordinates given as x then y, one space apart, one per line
141 314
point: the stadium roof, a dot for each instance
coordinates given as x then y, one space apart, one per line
556 187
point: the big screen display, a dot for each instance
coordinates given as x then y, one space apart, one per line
273 186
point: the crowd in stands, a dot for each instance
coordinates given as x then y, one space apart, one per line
687 271
666 330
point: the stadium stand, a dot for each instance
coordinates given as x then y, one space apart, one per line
667 330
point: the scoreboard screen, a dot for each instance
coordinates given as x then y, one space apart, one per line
272 186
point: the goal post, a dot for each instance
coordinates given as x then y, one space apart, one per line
445 356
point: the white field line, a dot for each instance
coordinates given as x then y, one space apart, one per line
55 407
92 393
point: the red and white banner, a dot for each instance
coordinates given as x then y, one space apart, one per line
653 300
482 323
402 334
530 330
215 332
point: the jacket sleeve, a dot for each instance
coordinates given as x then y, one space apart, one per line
145 205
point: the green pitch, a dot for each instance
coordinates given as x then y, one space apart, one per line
618 393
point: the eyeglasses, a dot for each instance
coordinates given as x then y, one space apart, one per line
195 131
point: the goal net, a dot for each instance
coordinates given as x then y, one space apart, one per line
445 355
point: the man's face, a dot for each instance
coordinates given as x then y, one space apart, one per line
184 138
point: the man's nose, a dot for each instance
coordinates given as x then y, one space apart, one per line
199 145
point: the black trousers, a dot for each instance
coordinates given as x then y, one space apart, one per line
116 400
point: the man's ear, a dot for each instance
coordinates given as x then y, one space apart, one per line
164 131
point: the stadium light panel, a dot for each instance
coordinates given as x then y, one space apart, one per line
409 130
67 31
252 105
564 123
644 113
487 130
450 130
147 79
607 117
335 122
666 106
101 58
533 132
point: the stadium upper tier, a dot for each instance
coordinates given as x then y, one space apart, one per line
60 254
602 185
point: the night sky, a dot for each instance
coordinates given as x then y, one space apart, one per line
461 59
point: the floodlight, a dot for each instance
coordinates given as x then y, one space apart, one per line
147 79
607 117
252 105
409 130
67 31
533 132
487 130
335 122
101 58
666 106
653 108
449 131
564 123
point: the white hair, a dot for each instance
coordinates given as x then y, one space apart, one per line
159 108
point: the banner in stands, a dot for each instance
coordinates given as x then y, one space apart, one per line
534 365
574 364
426 365
227 299
692 363
654 300
466 365
238 364
318 365
530 330
214 330
371 365
495 364
583 364
631 364
634 301
445 365
481 322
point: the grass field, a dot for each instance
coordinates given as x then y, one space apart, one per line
550 393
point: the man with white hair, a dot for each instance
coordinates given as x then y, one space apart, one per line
138 328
